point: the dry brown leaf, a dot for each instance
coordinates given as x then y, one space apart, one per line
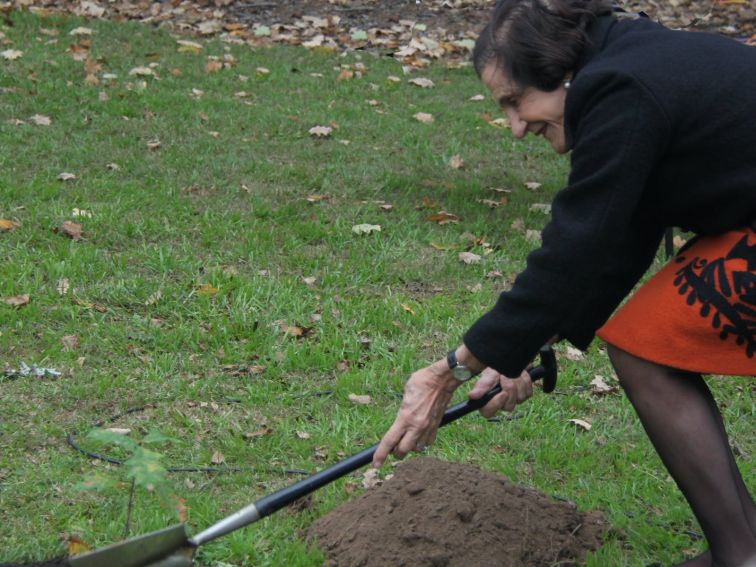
153 144
477 97
422 82
62 286
582 424
17 300
213 66
573 353
75 546
544 208
456 162
11 54
303 435
142 72
40 120
360 399
309 280
154 297
70 229
469 257
599 386
66 176
81 31
518 225
366 228
407 308
6 224
345 75
69 342
424 117
532 185
207 290
218 458
370 478
442 217
118 430
320 131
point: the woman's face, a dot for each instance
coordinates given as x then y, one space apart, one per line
529 110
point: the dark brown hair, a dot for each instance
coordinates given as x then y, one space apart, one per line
537 42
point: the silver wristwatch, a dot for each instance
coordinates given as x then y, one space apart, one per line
460 372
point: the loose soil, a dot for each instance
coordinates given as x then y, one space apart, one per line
437 514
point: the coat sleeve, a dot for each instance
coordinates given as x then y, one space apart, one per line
601 237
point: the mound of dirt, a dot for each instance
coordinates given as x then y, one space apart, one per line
438 514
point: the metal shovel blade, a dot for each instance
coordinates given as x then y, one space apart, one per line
141 550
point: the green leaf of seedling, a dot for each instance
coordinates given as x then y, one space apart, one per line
145 468
110 438
154 437
98 481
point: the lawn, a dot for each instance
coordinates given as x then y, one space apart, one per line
188 251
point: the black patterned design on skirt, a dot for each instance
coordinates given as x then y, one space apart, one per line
730 299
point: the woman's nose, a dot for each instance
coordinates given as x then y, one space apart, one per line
519 126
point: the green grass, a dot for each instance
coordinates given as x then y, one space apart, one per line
224 202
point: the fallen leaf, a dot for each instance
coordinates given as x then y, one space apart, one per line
494 274
370 478
181 509
66 176
360 399
532 185
153 144
70 342
81 213
186 46
17 300
154 298
469 258
62 286
407 308
75 546
213 66
40 120
499 123
345 75
11 54
678 241
6 224
442 217
218 458
518 225
141 72
423 117
71 229
573 353
599 386
303 435
456 162
581 423
320 131
493 204
533 235
541 208
440 246
261 71
309 281
422 82
316 198
207 290
258 433
113 166
81 31
366 228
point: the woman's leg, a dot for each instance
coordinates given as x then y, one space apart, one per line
683 422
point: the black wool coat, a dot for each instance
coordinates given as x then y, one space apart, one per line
662 130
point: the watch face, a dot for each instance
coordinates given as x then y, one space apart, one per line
461 373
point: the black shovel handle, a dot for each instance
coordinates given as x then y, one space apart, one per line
285 496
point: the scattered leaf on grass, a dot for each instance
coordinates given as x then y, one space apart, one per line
599 386
493 204
153 144
456 162
408 309
81 213
360 399
441 246
6 224
186 46
141 72
262 71
75 546
17 300
309 280
69 342
499 123
469 257
494 274
218 458
370 478
154 297
62 286
70 229
320 131
40 120
518 225
477 97
422 82
11 54
366 228
113 166
208 290
532 185
316 198
258 433
118 430
442 217
574 353
582 424
540 208
66 176
303 435
424 117
182 512
81 31
533 236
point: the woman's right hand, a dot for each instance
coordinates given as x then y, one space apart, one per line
513 391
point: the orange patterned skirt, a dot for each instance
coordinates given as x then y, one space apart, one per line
698 313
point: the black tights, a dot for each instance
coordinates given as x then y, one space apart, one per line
683 422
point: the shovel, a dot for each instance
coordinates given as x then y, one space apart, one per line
172 547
